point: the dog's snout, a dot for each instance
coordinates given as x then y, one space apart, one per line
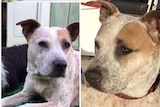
60 64
59 68
93 77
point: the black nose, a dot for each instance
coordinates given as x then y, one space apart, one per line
93 77
59 67
60 64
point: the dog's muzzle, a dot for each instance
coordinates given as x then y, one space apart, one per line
59 68
93 78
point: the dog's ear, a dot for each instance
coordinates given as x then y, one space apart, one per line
152 21
28 27
107 9
73 29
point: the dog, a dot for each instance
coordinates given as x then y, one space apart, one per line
52 66
14 64
125 69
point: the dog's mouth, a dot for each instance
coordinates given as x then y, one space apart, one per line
46 77
43 77
104 82
51 75
55 69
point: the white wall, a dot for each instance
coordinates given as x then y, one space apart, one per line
18 11
89 21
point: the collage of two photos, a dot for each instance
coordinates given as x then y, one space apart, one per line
80 53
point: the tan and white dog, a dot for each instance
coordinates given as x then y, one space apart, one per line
52 66
125 69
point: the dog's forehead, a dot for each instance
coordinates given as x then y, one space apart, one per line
112 26
135 36
63 34
52 33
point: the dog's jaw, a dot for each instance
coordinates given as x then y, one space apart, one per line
152 89
43 77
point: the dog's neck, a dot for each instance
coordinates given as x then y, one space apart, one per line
152 89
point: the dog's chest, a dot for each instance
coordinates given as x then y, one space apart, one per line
46 88
55 89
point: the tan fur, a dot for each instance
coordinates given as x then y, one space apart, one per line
62 33
134 40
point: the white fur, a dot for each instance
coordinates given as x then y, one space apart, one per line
59 92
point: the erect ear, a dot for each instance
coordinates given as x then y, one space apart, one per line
73 29
152 21
28 27
107 9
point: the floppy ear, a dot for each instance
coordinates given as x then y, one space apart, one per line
28 27
73 29
152 21
107 9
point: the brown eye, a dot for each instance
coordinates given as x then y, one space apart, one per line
65 44
125 50
122 50
43 44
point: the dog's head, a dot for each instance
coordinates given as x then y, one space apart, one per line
127 52
49 49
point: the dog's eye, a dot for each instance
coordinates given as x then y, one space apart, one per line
124 50
66 44
43 44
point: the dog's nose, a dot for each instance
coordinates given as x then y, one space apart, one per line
60 64
59 67
93 77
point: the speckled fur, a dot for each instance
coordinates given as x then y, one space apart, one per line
133 73
59 91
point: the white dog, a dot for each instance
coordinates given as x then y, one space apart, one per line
52 66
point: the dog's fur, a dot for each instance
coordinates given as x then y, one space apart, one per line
52 66
14 63
127 61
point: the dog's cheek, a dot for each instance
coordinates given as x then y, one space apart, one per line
133 64
44 67
113 82
33 54
33 51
